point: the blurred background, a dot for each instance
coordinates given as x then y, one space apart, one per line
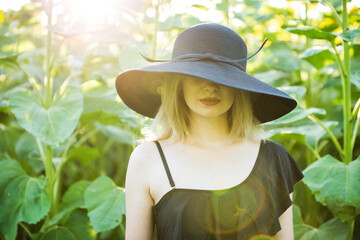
66 137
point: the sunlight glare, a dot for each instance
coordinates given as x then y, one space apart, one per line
14 5
89 8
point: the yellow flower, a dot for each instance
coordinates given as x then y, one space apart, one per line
2 17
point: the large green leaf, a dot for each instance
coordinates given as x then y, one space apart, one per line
318 57
171 23
9 59
253 3
296 92
350 35
105 203
22 198
83 154
335 185
284 59
116 133
27 151
333 229
296 115
73 199
57 233
129 58
311 33
53 125
305 133
76 227
100 105
80 225
271 76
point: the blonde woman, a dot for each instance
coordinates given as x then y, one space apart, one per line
206 172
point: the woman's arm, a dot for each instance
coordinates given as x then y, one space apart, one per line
286 223
139 223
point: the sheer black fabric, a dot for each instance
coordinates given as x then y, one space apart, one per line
240 212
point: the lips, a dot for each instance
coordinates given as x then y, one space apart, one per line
210 101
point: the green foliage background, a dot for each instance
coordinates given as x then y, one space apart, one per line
66 137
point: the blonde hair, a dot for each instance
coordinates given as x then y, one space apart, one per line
172 120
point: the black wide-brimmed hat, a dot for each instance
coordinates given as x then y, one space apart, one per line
209 51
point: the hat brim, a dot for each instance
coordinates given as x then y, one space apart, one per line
138 87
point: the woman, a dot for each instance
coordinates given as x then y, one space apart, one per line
207 174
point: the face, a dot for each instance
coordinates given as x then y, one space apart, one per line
206 98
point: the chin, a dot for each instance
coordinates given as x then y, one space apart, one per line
211 114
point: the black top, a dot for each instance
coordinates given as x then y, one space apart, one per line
252 207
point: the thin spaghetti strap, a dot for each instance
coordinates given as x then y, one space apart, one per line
171 181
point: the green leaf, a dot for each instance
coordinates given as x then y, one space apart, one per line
33 70
318 57
116 133
72 199
271 76
332 229
311 33
105 203
335 185
129 58
171 23
100 105
98 97
296 92
53 125
296 115
202 7
350 35
98 116
282 58
27 150
80 226
9 60
22 198
57 233
253 3
83 154
190 20
305 133
355 79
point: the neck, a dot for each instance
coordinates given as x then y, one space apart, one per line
209 133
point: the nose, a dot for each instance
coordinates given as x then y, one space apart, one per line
211 87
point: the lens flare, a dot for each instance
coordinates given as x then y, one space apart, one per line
221 216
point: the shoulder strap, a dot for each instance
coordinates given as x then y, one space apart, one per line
171 181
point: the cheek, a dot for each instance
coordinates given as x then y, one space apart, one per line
229 96
188 93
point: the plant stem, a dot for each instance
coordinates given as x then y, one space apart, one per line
49 171
34 84
314 152
309 72
26 229
41 150
56 51
356 129
337 55
58 180
351 230
227 12
346 91
86 137
156 28
48 59
332 136
333 9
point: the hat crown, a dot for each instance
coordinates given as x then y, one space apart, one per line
210 38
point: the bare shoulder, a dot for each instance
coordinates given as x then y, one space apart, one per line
144 152
142 157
